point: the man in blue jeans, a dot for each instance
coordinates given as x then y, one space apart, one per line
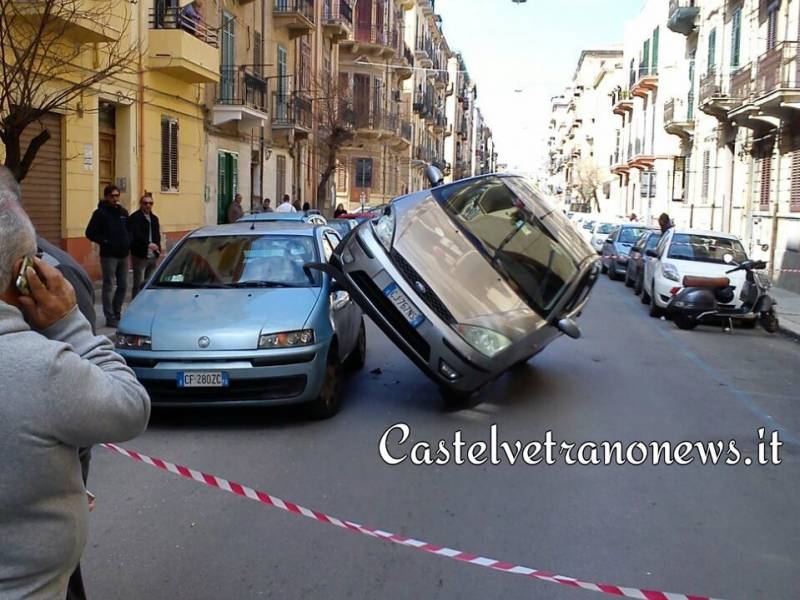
108 229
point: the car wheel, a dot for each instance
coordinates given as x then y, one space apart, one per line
357 358
655 310
603 268
329 400
645 299
685 322
628 279
612 273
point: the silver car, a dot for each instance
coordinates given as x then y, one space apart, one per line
469 278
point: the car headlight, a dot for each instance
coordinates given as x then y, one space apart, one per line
670 272
286 339
384 229
487 342
133 342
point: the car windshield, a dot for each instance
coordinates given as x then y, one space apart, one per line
242 261
516 242
628 235
588 225
705 248
341 227
605 228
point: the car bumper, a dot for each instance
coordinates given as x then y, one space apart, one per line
261 378
366 269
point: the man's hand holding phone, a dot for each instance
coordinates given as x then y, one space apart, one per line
51 296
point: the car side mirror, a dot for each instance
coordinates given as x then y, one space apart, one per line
336 287
651 253
569 328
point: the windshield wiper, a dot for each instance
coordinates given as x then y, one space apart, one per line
191 286
262 284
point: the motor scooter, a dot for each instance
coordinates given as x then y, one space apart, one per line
711 297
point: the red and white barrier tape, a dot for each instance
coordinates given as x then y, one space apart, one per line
264 498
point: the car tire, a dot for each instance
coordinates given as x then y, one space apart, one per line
456 399
645 299
655 311
769 321
628 280
329 401
685 322
603 268
612 273
357 358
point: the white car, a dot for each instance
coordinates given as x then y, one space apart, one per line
683 252
600 231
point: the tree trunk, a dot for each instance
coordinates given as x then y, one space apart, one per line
19 164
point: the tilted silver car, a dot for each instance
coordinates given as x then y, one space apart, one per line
469 279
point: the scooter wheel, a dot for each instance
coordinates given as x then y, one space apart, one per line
685 322
769 321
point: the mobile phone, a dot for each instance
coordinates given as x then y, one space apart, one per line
22 279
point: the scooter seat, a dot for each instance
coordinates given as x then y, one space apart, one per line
706 282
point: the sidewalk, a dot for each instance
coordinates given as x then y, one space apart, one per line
788 310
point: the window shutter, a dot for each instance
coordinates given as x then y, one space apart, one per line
772 25
173 154
654 62
794 202
165 180
736 37
712 51
766 180
258 54
235 173
706 174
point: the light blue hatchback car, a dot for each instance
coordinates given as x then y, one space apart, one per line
232 316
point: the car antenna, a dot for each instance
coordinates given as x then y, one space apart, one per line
253 226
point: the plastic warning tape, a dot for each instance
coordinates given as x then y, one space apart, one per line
473 559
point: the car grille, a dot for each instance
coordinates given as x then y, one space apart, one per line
387 310
239 389
412 277
265 361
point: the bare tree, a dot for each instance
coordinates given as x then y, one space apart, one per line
587 179
336 128
43 65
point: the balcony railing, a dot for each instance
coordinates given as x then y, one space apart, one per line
682 16
408 54
299 7
424 153
173 17
778 69
290 110
742 84
338 12
713 85
406 130
239 87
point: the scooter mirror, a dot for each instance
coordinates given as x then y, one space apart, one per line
728 258
764 247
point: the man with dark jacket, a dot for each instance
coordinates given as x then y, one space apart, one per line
145 234
108 229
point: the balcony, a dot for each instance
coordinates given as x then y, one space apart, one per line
424 52
87 22
438 123
295 15
291 114
404 63
380 43
715 99
641 157
424 154
337 19
683 16
679 117
376 125
427 7
777 85
183 48
241 96
646 81
441 79
621 102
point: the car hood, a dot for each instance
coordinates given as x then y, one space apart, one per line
232 319
702 269
427 238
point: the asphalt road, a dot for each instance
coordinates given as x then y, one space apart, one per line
722 531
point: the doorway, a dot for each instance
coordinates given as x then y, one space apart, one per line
227 183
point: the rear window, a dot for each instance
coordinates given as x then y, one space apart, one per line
703 248
242 261
605 228
628 235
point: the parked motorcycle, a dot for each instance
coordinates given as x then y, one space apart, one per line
712 297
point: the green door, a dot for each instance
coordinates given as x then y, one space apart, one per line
227 183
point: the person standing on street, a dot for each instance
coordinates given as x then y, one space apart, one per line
64 388
235 210
664 222
145 232
306 207
108 229
266 206
286 205
339 211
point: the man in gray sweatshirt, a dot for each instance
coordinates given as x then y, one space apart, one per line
62 388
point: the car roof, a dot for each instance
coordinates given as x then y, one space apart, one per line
258 228
719 234
274 216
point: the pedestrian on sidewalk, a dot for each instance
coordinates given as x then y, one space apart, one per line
664 222
235 210
286 205
63 388
145 232
266 206
339 211
108 229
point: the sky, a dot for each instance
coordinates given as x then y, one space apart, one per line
533 47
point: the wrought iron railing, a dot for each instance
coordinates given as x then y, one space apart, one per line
290 110
778 69
337 11
238 86
175 17
302 7
742 83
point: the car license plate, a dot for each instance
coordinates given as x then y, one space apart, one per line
202 379
404 305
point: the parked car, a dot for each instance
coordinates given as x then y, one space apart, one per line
686 252
343 226
634 273
313 217
470 278
617 247
599 233
233 317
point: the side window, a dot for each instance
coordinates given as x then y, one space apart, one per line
329 243
612 237
662 245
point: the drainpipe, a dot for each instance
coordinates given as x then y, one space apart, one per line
731 177
140 103
266 99
774 235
